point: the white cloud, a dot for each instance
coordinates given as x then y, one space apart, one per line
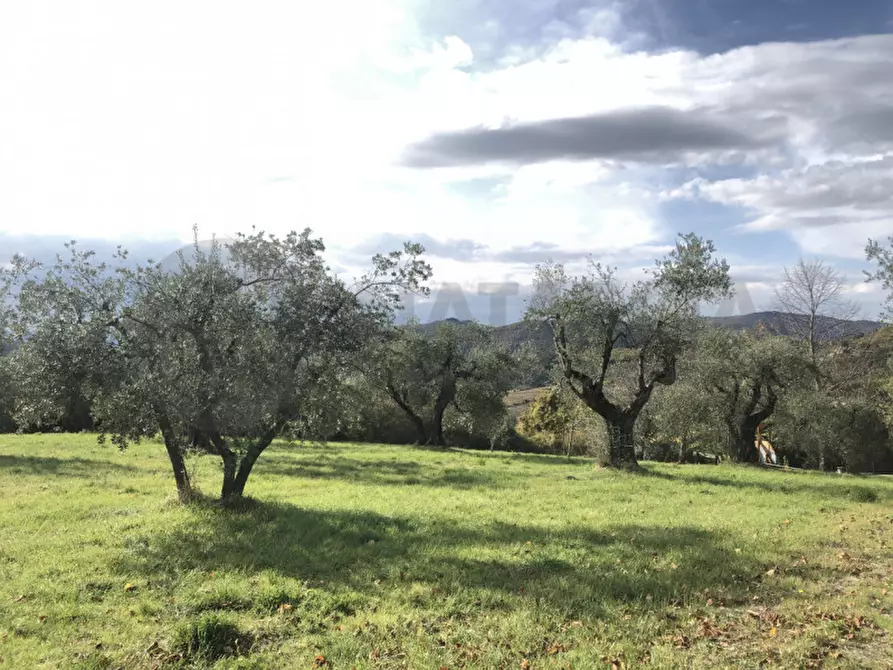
830 208
123 119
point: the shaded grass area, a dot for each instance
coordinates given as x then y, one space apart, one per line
397 557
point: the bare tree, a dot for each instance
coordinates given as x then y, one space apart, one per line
815 309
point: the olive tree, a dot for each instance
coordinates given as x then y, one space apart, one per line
883 258
58 345
682 419
745 375
594 315
825 433
455 365
236 346
7 394
6 384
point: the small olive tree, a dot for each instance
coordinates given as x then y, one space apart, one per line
6 383
457 365
682 419
824 433
594 315
745 375
883 258
236 346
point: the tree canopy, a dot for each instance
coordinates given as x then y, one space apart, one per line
745 375
883 258
455 366
236 349
595 314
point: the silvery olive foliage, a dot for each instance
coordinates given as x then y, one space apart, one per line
240 344
882 257
595 315
744 377
453 367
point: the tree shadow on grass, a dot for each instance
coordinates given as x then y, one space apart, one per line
342 461
67 467
531 459
778 481
371 470
576 572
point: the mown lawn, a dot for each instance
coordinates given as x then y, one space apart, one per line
397 557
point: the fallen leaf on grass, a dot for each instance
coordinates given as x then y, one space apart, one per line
556 649
773 631
21 598
680 641
285 607
129 587
320 662
708 628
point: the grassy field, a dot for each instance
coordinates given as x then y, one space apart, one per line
387 557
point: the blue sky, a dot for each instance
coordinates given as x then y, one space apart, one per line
500 133
715 26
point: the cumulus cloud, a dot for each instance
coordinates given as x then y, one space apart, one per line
813 121
829 208
813 196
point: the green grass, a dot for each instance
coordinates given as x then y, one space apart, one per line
398 557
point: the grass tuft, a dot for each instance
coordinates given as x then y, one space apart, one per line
209 637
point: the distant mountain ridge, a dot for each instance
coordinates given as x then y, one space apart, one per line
539 336
778 323
782 323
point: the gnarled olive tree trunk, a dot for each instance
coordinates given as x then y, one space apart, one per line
743 426
621 445
620 420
